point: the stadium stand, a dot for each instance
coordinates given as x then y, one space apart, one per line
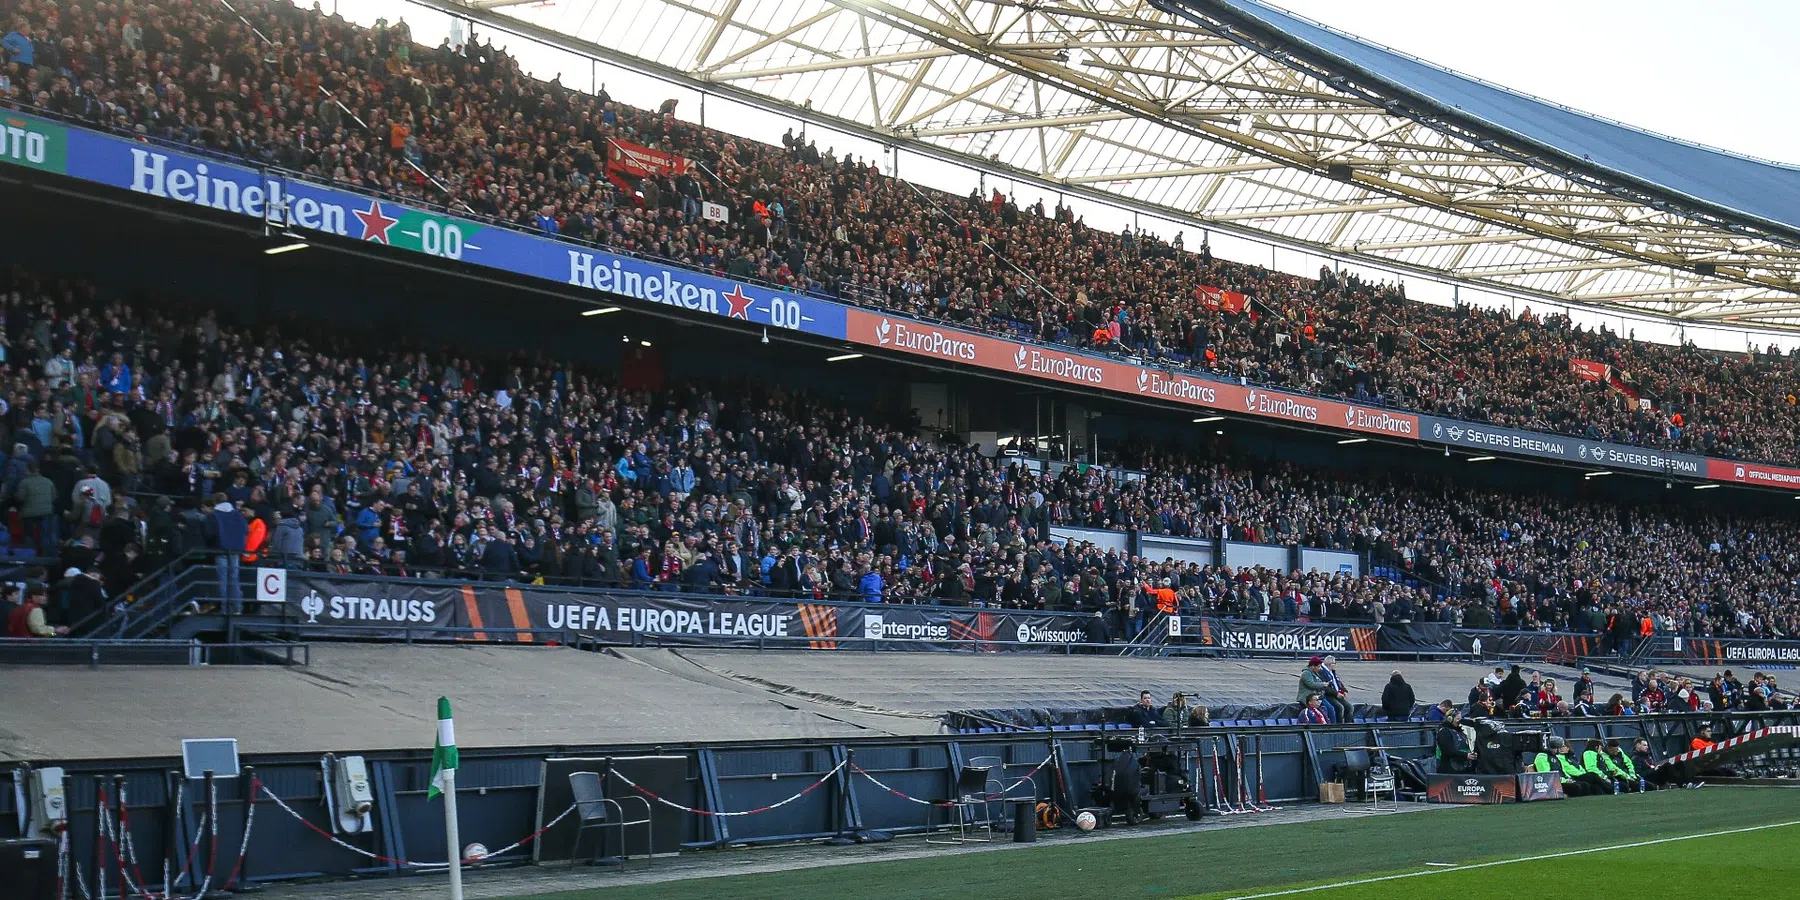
464 128
362 458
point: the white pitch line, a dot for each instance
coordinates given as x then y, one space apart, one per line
1508 862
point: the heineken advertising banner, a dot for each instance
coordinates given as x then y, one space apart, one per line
1286 638
322 605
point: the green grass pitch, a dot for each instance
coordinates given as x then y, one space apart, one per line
1324 859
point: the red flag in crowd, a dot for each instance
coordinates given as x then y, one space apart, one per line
637 160
1588 370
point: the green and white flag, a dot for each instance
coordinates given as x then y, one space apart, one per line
443 759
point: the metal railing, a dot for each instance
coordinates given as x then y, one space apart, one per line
97 652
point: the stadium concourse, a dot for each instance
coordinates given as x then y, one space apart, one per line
463 128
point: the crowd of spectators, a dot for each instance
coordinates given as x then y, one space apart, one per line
133 430
464 127
128 426
1525 695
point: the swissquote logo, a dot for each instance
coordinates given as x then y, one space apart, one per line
1027 633
1740 473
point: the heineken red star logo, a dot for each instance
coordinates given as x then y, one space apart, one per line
375 223
740 304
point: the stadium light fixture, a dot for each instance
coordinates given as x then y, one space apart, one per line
1354 441
286 248
600 310
1596 474
1482 458
1205 419
1219 431
843 357
645 343
1704 487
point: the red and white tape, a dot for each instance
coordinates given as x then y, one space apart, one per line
725 815
403 862
987 798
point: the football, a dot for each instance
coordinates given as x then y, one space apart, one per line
1085 821
475 852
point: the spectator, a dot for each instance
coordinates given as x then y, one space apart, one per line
1143 714
1312 713
1314 679
27 620
228 533
1397 699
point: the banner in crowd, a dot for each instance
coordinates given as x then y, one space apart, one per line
638 160
1724 651
1219 299
279 199
320 605
1561 447
714 212
1588 370
1295 638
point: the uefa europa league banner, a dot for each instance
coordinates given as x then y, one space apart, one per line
318 605
1288 638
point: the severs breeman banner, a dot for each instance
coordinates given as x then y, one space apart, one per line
280 198
325 605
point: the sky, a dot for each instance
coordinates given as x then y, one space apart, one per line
1721 73
1656 65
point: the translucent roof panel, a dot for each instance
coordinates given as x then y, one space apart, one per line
1727 182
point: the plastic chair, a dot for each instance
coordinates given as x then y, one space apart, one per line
971 792
592 811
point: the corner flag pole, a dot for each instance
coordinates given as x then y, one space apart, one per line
443 781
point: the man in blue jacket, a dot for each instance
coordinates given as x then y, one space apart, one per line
870 586
230 532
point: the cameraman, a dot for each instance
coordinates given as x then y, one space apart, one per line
1453 751
1178 714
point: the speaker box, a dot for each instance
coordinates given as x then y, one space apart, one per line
28 869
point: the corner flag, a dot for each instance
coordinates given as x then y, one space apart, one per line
444 757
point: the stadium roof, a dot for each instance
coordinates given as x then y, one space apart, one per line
1233 112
